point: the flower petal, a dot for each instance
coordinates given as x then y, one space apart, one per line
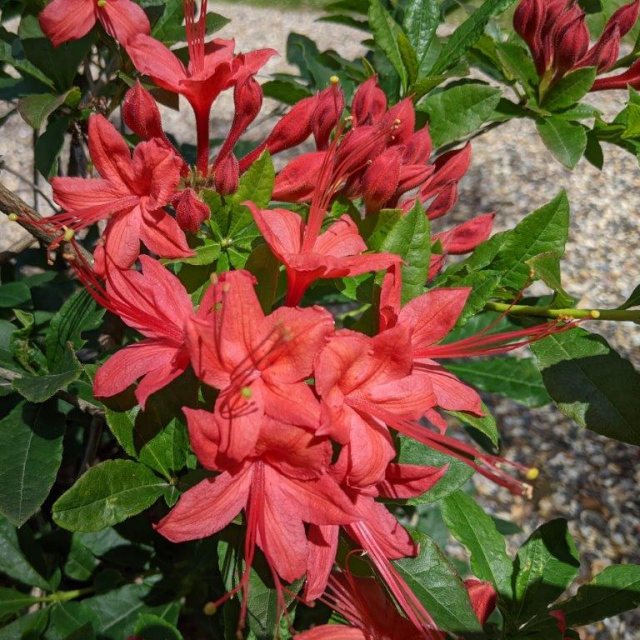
122 238
123 19
153 59
110 153
162 235
63 20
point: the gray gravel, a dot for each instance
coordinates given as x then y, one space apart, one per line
586 478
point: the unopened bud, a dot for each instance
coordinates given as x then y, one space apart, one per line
571 42
141 114
625 17
381 180
191 212
227 176
369 103
327 114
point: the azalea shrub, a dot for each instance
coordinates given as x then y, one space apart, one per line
241 389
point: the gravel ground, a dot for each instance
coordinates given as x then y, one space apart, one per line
590 480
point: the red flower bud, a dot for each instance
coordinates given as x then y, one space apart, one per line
369 103
571 41
625 17
449 167
330 106
605 51
466 236
140 113
359 146
630 78
483 598
247 100
296 182
401 118
412 176
380 180
528 21
443 202
418 148
227 175
191 212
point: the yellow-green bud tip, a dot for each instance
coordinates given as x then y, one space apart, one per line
13 217
533 473
334 80
68 234
102 3
246 392
595 314
209 609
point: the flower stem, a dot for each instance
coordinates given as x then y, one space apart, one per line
202 128
616 315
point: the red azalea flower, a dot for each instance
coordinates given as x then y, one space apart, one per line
363 603
212 68
63 20
338 252
281 485
483 598
154 303
259 363
131 193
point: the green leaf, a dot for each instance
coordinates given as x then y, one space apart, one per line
477 531
143 436
591 383
12 601
257 183
567 141
169 29
40 388
546 267
459 111
570 89
465 36
611 592
22 65
287 92
14 294
36 108
421 19
78 314
546 564
436 584
29 627
457 475
518 64
409 57
81 562
410 238
107 494
485 424
385 33
633 300
13 562
72 621
29 461
49 146
153 627
515 378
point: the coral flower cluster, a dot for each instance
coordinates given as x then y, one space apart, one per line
301 436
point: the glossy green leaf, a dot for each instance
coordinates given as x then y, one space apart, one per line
81 562
457 475
257 183
457 112
570 89
546 564
107 494
485 424
410 238
12 601
465 36
633 300
421 19
152 627
49 146
436 584
515 378
30 458
13 562
385 33
477 531
591 383
72 621
36 108
14 294
567 141
546 267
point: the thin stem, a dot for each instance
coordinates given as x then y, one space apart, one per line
202 128
616 315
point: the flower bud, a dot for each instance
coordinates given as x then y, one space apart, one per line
449 167
630 78
358 147
401 119
605 51
418 147
369 103
141 114
380 180
483 598
227 175
528 19
294 127
443 202
465 237
625 17
329 108
298 179
191 212
247 100
571 42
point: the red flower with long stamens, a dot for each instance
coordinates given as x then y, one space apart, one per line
131 194
281 485
155 303
212 68
259 363
64 20
365 605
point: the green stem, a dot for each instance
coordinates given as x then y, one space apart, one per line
617 315
65 596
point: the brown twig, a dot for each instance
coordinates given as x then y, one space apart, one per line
29 219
